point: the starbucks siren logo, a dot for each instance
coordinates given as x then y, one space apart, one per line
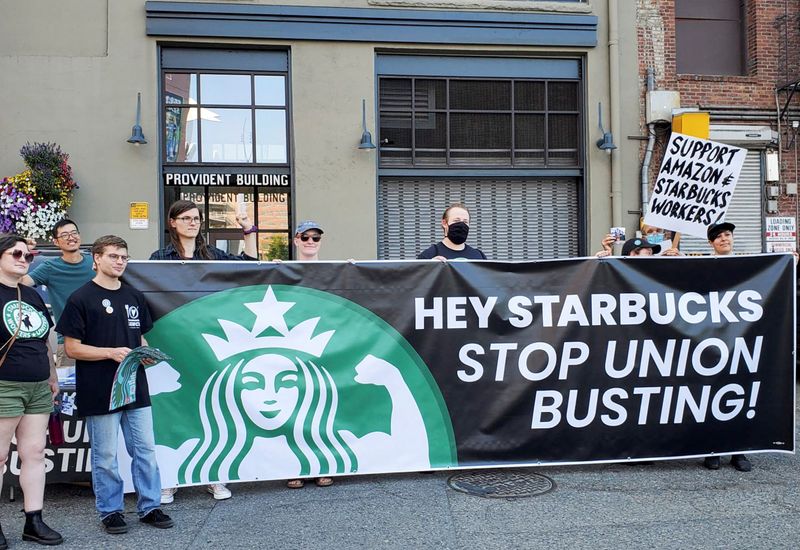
276 397
31 322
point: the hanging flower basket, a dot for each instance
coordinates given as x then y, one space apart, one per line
32 201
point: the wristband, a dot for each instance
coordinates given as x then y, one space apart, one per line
248 231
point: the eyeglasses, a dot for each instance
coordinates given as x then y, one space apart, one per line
68 235
190 219
18 254
315 238
118 257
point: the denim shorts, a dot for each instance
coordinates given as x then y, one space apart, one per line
18 398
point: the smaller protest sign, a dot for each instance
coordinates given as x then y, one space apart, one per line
695 184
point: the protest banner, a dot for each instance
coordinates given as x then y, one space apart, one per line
327 368
695 184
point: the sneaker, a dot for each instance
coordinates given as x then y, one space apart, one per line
115 524
741 463
219 491
168 495
711 462
157 518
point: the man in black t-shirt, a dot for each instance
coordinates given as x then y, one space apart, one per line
102 321
455 223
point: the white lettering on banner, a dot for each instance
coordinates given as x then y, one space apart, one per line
626 309
687 404
537 360
206 179
695 184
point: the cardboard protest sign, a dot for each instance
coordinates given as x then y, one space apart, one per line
695 184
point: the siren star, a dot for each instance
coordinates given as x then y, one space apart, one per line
269 313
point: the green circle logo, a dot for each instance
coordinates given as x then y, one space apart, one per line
30 321
280 381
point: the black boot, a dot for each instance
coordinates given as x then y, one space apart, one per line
37 530
3 541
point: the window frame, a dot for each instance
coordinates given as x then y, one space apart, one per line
412 160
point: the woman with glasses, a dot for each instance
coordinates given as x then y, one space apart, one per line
28 383
186 240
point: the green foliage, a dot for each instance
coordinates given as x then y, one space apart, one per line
277 248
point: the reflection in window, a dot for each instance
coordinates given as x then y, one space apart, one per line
273 246
180 134
273 210
200 128
223 207
271 133
229 138
270 90
225 89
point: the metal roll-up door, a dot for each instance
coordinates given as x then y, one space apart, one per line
744 212
511 219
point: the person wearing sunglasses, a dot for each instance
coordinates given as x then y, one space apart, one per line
63 275
28 383
186 242
307 238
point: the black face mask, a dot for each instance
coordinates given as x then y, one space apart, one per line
457 232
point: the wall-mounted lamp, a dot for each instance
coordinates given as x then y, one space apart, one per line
605 143
366 137
137 136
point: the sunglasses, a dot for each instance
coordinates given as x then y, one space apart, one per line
315 238
18 254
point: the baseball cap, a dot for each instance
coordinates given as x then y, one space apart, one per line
716 228
306 225
632 244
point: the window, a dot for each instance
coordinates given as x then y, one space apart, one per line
224 118
446 122
224 122
710 37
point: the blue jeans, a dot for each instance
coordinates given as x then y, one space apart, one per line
137 429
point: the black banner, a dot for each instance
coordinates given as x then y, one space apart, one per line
508 363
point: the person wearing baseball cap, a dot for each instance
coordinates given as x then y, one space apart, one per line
720 237
307 239
640 247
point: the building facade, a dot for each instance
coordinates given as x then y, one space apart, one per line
738 61
259 107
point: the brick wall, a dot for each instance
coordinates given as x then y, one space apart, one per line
773 58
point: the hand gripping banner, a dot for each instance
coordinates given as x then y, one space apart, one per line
327 368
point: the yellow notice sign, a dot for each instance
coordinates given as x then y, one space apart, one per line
139 215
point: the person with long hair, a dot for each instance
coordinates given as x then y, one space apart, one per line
28 384
186 242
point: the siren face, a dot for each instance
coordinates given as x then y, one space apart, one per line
270 393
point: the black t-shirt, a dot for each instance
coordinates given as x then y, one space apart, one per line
27 359
106 319
439 249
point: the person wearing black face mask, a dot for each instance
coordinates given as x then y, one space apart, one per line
455 223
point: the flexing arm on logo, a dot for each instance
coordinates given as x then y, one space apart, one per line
406 446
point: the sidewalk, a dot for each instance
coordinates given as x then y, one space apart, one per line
676 504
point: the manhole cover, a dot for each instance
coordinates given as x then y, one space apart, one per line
501 483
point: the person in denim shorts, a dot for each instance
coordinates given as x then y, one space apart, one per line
28 383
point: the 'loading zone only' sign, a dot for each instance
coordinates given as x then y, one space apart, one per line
695 184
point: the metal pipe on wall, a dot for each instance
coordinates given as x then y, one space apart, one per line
648 155
614 90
